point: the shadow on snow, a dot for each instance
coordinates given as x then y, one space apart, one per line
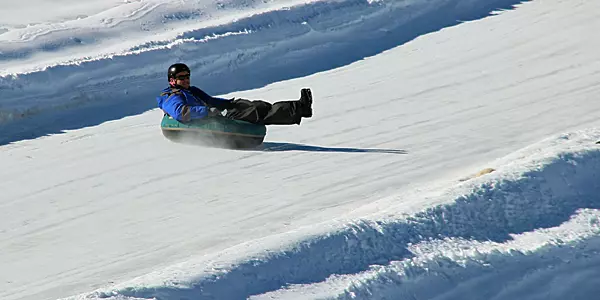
276 147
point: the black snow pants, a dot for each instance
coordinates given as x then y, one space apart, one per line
265 113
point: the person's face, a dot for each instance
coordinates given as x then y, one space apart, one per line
182 79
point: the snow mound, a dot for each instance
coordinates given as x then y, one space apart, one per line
531 216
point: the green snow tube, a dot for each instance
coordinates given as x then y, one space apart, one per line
214 131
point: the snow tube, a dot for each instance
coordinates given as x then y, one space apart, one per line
214 131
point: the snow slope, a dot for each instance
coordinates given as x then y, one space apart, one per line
240 43
364 200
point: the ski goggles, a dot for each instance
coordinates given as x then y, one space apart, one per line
182 77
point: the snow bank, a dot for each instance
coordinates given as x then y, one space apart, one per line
469 270
526 267
47 74
541 199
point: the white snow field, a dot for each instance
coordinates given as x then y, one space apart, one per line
374 197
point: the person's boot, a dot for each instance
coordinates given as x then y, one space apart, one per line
306 100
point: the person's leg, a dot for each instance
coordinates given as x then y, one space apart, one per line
278 113
291 112
284 113
249 111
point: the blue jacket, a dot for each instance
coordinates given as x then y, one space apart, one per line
186 105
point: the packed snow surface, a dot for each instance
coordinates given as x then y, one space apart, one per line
452 153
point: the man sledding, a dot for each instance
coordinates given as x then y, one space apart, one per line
185 102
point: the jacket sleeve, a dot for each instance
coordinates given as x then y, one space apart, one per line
219 103
175 107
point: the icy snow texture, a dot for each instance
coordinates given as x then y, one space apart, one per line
478 239
392 135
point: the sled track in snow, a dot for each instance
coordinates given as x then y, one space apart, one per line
544 196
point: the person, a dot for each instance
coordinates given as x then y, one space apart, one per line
185 103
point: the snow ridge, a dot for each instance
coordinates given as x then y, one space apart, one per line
498 274
531 190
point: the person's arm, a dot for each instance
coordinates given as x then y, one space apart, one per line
220 103
175 107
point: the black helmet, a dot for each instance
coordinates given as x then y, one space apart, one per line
177 68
